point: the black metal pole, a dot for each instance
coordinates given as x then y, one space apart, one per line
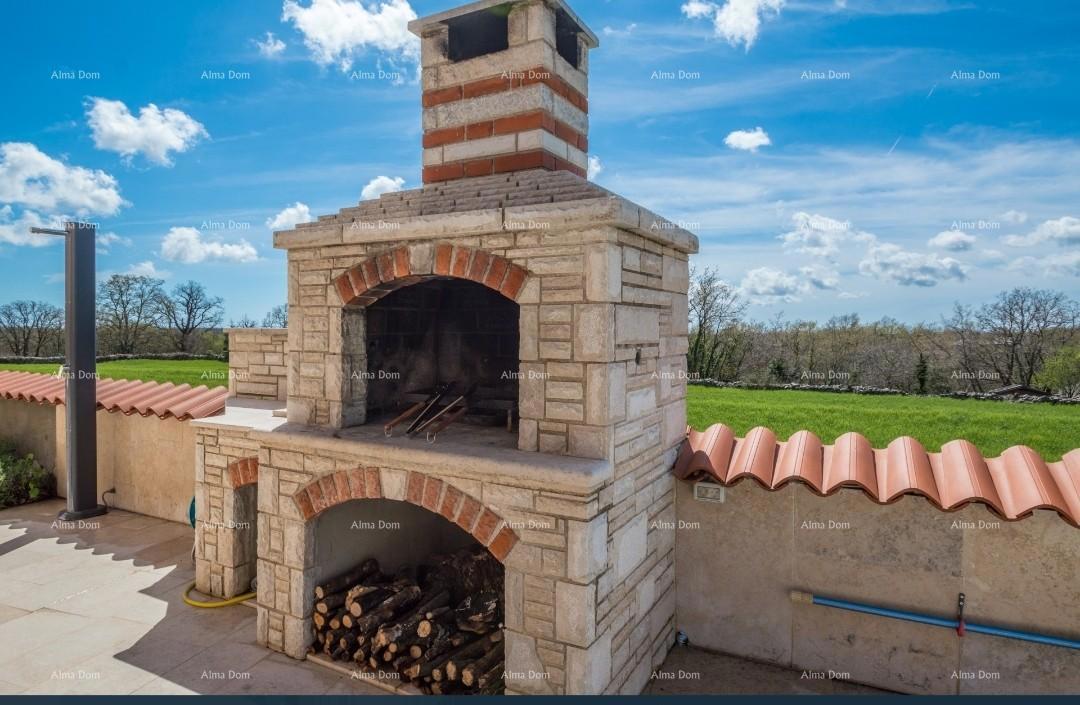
81 392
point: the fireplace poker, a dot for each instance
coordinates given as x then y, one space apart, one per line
388 429
445 410
429 405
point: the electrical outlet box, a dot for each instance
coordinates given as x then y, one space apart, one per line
709 492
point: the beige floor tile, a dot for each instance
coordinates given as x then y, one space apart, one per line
162 686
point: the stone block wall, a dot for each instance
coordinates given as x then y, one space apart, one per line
257 363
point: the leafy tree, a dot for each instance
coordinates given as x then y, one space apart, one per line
188 310
128 309
922 373
1061 373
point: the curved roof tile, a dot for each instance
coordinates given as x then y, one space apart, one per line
1013 485
182 402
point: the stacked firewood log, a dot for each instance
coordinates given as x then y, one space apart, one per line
438 626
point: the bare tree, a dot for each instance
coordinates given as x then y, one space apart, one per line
244 322
128 310
1023 327
277 318
31 328
717 345
188 310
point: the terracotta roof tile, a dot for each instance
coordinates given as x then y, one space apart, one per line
182 402
1013 485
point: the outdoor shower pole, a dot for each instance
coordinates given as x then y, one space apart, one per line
80 372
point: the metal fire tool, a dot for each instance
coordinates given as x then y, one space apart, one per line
436 397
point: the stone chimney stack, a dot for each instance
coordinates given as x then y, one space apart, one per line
505 88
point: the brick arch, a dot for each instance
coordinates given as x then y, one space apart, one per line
482 523
376 276
243 472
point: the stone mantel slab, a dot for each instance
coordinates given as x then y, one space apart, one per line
612 211
459 458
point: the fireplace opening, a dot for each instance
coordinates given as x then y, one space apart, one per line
404 596
442 346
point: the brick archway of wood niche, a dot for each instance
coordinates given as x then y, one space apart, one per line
243 472
431 493
376 276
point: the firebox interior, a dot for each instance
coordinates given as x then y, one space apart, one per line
443 333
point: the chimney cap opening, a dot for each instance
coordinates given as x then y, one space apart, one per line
567 31
433 22
479 33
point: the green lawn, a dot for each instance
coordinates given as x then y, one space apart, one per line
991 425
194 372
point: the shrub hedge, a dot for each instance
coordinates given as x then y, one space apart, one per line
22 479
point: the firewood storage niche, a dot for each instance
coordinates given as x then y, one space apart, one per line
403 595
442 335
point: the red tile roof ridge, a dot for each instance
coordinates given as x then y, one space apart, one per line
1012 485
164 400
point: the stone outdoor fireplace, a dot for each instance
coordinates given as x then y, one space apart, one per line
556 308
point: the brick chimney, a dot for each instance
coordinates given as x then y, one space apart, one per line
505 89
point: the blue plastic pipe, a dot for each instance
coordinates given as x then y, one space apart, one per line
809 598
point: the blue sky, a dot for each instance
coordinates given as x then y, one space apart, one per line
938 162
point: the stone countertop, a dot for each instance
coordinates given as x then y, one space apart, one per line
470 454
480 453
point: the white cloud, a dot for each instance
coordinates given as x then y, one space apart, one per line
187 245
748 140
820 277
1063 231
890 262
595 167
736 21
766 285
147 269
16 231
380 185
1057 265
337 31
270 46
105 241
31 178
1014 217
953 241
288 218
624 32
821 236
154 133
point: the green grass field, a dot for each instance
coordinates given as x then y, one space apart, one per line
194 372
991 425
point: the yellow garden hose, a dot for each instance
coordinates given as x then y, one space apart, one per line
209 605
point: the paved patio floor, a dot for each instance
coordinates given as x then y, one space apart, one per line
99 610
